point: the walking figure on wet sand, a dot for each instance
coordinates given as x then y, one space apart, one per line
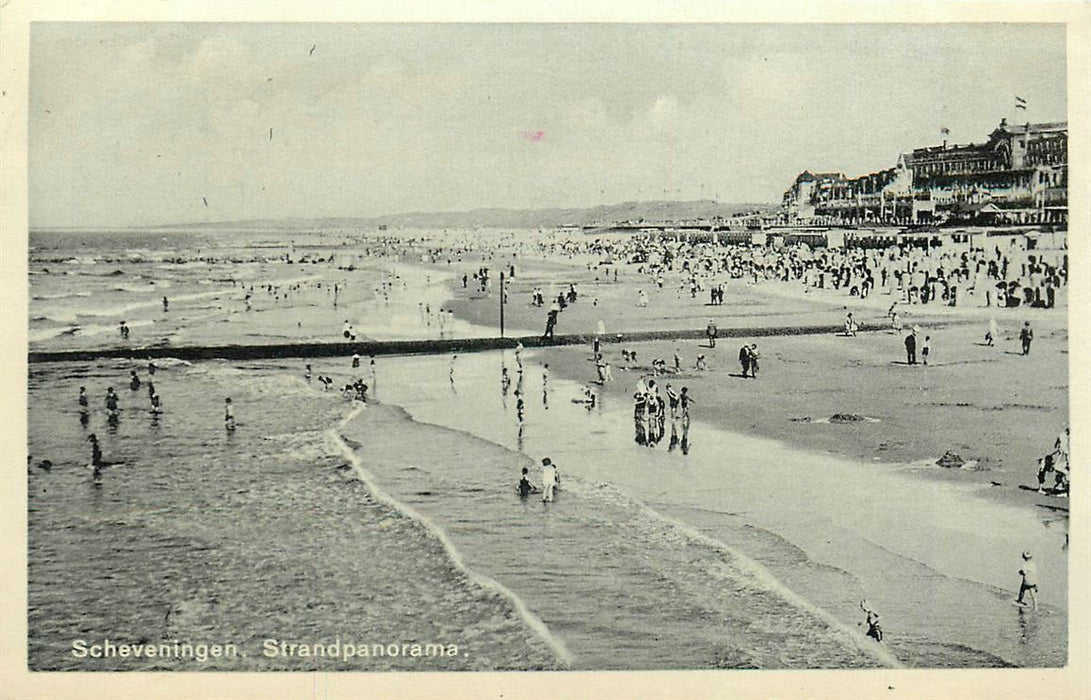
229 415
1026 335
1029 583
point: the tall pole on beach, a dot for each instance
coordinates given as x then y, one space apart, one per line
501 304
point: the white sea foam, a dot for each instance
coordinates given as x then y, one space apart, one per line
533 621
746 565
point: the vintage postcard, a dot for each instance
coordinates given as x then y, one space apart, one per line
616 350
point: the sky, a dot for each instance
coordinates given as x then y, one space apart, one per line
136 124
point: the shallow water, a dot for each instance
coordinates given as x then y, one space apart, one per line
725 551
938 562
205 535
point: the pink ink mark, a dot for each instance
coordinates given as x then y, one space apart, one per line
534 136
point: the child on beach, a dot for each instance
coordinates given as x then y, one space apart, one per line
685 400
229 415
525 487
925 348
1029 584
549 480
84 409
992 333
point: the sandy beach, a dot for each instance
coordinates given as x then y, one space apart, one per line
979 402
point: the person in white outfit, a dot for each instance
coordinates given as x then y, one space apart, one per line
549 479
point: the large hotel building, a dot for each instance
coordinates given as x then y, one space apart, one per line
1018 176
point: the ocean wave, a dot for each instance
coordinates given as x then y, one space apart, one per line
38 335
532 621
761 577
64 295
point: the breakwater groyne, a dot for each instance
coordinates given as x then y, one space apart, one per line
400 347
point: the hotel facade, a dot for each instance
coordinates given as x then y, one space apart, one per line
1018 176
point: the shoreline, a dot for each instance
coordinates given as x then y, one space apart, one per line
921 439
482 581
644 482
468 554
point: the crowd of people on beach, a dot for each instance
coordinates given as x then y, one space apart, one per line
911 275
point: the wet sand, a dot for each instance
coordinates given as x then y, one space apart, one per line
833 530
978 402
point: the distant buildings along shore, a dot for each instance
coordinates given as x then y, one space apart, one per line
1018 176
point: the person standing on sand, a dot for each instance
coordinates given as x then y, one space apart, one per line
710 331
754 360
744 360
926 346
1029 584
685 400
672 398
551 321
1026 335
911 347
549 480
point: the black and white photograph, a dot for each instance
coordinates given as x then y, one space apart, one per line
472 344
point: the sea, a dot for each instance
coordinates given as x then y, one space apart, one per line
321 519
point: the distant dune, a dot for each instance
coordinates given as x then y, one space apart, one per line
651 212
